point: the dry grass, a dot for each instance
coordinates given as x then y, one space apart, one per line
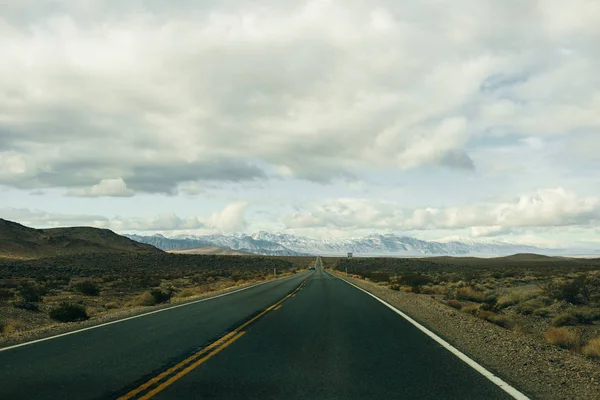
12 327
470 294
564 319
144 299
111 305
563 337
455 304
504 321
592 348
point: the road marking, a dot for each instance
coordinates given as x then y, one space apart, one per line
181 374
472 363
141 315
190 363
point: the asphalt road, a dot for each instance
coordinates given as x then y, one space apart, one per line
311 336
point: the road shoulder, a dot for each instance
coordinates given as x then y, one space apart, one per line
536 368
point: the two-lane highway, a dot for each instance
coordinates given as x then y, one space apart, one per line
105 362
311 336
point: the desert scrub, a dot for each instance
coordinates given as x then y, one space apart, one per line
68 312
504 321
592 348
12 326
87 288
455 304
562 337
144 299
564 319
586 315
470 294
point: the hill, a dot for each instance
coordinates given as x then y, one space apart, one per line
19 241
214 250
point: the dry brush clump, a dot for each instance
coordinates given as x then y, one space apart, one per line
69 312
563 337
592 348
455 304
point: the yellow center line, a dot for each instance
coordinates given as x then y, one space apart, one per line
184 372
175 368
211 349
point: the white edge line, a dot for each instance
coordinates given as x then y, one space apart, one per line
139 315
472 363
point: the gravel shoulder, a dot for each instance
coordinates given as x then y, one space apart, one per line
534 367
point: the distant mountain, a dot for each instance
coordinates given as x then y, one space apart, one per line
267 243
243 243
211 250
20 241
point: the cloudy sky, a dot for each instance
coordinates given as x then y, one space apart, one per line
433 118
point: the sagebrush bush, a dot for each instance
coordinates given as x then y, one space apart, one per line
455 304
576 291
68 312
144 299
30 293
26 305
504 321
161 296
592 348
563 337
87 288
394 286
564 319
586 315
6 294
470 294
11 327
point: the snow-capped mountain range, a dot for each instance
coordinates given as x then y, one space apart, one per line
283 244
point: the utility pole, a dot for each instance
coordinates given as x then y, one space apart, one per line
274 271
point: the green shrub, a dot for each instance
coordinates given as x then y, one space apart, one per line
26 305
586 315
160 296
30 293
564 320
574 291
87 288
67 312
6 294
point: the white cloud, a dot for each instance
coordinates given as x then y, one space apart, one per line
198 100
231 219
545 208
166 94
106 187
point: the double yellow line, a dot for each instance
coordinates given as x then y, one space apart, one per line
160 382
